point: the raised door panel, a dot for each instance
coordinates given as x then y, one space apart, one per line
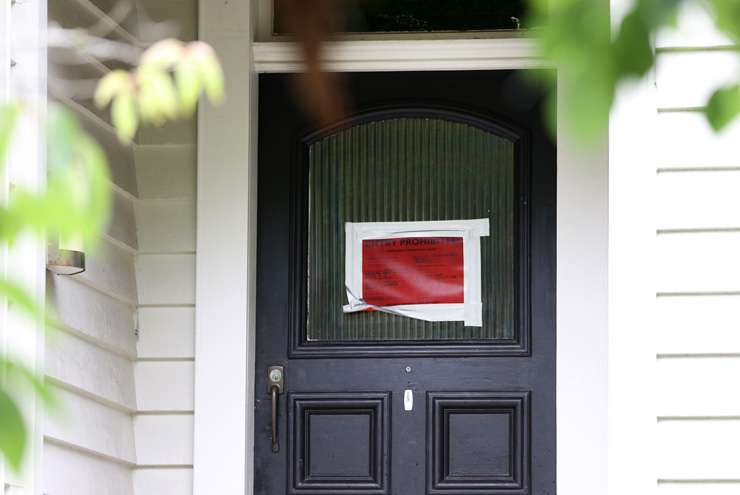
339 443
478 443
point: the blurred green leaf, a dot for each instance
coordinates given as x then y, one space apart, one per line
188 85
18 374
209 70
124 115
166 85
13 433
588 79
727 16
110 85
158 101
632 49
17 296
594 55
723 106
76 201
162 55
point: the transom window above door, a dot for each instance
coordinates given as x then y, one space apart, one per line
394 16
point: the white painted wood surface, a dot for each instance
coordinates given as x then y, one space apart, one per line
89 447
80 365
698 386
110 269
178 132
697 326
698 449
706 200
388 55
182 13
698 262
93 427
166 225
164 386
84 474
695 29
700 487
157 481
165 263
166 333
166 279
686 141
165 440
226 239
120 156
687 79
165 171
107 322
631 234
122 226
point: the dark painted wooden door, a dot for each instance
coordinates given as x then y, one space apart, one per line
419 146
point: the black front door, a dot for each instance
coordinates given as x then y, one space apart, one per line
374 402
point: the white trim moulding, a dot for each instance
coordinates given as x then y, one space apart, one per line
405 55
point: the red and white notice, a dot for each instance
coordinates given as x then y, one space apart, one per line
425 270
413 270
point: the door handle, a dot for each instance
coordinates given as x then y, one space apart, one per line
275 384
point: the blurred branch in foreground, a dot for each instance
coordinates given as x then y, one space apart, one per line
594 53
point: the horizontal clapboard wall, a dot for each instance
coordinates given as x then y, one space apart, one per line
89 445
165 266
697 267
126 426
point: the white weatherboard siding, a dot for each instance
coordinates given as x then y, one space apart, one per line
165 274
126 424
697 267
89 446
166 283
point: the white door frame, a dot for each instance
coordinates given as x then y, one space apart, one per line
226 238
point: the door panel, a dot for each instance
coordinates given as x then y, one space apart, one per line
479 442
341 443
418 146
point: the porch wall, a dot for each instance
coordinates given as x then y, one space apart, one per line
123 366
165 269
698 267
89 446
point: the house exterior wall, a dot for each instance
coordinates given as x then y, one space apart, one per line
127 422
697 266
129 427
89 446
165 267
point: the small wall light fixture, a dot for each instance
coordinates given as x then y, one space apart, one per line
65 258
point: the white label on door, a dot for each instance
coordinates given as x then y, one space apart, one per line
408 400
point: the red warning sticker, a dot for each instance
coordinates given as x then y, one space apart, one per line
413 270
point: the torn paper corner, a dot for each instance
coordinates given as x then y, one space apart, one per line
425 270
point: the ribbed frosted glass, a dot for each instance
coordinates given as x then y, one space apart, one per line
408 169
